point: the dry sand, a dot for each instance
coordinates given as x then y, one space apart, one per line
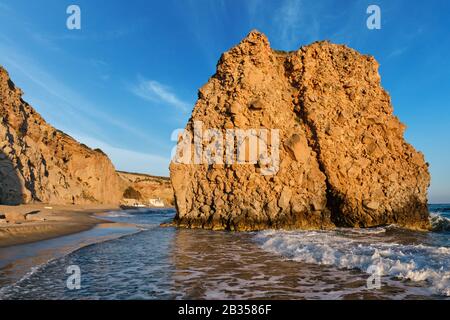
35 222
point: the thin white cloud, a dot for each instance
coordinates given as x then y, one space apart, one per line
44 41
98 63
397 52
294 22
141 162
107 35
74 113
205 25
4 7
68 100
154 91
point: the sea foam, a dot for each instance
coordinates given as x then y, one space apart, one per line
360 249
439 222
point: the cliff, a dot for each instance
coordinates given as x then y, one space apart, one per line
41 164
343 160
147 187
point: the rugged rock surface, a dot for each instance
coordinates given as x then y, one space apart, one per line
41 164
343 159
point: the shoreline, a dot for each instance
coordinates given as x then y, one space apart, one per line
38 222
71 231
21 262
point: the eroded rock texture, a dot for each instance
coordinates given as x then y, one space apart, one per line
41 164
343 159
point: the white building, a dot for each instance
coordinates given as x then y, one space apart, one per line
156 202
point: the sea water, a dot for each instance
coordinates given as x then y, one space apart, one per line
169 263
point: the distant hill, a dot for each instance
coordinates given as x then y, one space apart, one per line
39 163
143 187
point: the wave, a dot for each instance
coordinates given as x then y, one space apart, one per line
439 223
128 213
26 276
419 263
42 266
116 214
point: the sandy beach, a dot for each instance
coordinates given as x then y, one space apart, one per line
35 222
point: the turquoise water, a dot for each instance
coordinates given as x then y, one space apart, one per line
170 263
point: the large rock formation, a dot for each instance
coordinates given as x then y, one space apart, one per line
41 164
343 159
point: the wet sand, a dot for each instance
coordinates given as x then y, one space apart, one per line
37 222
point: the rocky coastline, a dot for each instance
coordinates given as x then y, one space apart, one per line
343 160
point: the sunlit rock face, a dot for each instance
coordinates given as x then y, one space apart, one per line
340 157
41 164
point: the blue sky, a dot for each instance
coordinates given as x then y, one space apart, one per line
130 76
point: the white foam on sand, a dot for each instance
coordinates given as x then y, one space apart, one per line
359 249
